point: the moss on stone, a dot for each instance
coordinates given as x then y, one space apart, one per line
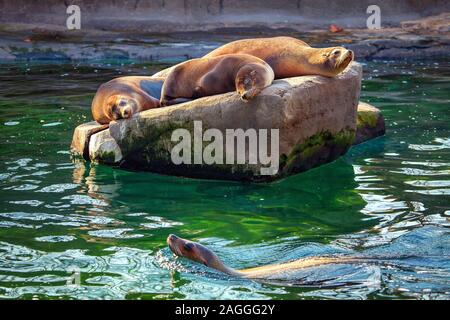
344 137
157 147
107 157
367 118
314 144
160 135
155 154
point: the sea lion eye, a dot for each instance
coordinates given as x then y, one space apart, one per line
336 52
188 246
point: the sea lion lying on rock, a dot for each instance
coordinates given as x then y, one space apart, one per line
201 254
288 57
122 97
197 78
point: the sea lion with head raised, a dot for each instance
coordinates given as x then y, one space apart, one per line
123 97
197 78
288 57
196 252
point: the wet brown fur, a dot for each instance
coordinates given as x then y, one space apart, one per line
201 254
196 78
290 57
122 97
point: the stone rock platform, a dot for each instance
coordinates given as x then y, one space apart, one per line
318 119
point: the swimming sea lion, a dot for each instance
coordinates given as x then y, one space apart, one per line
122 97
288 57
201 254
202 77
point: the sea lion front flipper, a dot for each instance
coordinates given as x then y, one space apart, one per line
169 102
198 92
152 87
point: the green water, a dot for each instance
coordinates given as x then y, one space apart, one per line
387 199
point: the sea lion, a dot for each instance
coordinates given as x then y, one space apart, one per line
122 97
196 252
288 57
284 271
196 78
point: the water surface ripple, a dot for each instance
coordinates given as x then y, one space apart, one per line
387 199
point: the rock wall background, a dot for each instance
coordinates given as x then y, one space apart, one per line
170 31
189 15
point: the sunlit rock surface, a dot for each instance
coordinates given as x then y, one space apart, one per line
316 118
103 148
370 123
81 136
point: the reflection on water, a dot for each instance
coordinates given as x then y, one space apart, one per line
387 199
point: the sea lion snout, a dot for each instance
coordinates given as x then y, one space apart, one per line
351 54
245 96
126 112
193 251
252 79
171 238
185 248
127 107
248 95
335 60
347 56
172 243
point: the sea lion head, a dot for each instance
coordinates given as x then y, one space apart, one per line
193 251
332 61
121 107
251 79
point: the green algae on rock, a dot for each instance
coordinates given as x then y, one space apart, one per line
370 123
321 148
